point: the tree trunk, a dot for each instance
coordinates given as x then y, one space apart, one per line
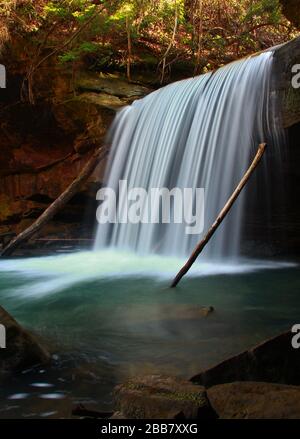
199 36
164 60
59 203
198 249
81 411
129 48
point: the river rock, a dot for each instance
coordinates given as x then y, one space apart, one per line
184 311
22 350
274 361
163 313
158 397
252 400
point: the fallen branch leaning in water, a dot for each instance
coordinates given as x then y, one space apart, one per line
59 203
200 246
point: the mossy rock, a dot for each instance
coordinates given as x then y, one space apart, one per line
159 397
252 400
111 85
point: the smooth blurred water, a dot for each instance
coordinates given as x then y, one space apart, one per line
107 316
197 133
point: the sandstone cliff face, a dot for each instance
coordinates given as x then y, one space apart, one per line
44 146
285 58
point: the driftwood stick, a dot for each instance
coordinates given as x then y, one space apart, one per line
59 203
81 411
200 246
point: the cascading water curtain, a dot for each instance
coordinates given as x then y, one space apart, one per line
196 133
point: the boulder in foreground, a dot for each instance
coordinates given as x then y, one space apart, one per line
274 361
22 350
158 397
250 400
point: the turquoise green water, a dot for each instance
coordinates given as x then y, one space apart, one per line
108 316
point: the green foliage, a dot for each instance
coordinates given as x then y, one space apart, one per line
264 9
84 48
208 32
68 9
54 10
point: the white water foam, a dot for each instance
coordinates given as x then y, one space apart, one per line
51 274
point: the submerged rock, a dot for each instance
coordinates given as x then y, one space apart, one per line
274 361
22 350
185 311
164 313
252 400
158 397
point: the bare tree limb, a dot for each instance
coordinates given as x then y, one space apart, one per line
129 47
164 59
81 411
59 48
200 246
59 203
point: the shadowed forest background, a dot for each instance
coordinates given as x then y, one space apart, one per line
161 36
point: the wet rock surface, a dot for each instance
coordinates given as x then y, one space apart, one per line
158 397
287 96
22 350
274 361
247 386
252 400
165 312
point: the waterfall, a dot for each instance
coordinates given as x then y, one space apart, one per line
196 133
